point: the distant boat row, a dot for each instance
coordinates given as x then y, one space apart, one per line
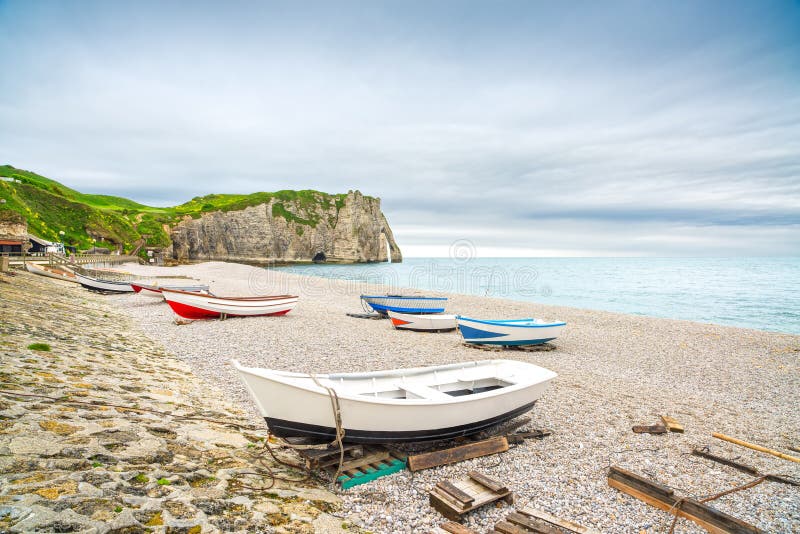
427 317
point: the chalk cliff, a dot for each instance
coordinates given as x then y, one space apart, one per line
316 227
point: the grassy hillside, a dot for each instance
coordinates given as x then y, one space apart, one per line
86 220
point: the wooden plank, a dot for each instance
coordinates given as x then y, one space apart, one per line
456 528
427 460
662 497
650 429
502 429
755 447
507 528
742 467
461 496
483 480
441 505
365 460
532 524
569 526
672 424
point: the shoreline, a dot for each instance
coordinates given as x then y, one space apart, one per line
660 292
615 370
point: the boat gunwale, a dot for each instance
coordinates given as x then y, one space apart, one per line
442 316
217 297
100 280
401 297
509 322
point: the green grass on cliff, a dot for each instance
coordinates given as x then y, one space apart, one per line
103 220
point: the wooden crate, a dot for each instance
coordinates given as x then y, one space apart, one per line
455 498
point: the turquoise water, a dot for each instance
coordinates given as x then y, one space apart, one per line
761 293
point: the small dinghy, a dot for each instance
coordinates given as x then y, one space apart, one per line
155 291
508 332
429 322
50 271
399 405
384 303
204 306
103 286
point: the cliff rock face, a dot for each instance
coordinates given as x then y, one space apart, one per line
13 225
340 229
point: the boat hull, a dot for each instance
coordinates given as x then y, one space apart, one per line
286 429
422 323
105 286
202 306
384 303
294 405
507 333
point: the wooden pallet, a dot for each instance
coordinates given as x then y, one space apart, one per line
455 498
544 347
377 462
320 458
531 520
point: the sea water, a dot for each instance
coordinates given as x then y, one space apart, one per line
760 293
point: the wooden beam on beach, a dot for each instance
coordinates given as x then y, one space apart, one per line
672 424
563 524
455 528
426 460
756 447
650 429
742 467
664 498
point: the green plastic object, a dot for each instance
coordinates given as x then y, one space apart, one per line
368 474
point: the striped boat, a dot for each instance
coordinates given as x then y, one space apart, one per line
103 286
384 303
429 322
508 332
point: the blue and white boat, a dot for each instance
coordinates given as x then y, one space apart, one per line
398 303
508 332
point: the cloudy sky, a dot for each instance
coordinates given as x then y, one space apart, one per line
527 128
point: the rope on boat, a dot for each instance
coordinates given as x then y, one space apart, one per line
337 418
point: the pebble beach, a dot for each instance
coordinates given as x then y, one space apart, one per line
615 371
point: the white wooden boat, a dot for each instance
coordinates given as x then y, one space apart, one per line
205 306
153 290
508 332
50 271
403 304
417 404
106 286
430 322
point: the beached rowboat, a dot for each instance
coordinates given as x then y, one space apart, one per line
49 271
508 332
200 306
429 322
106 286
155 291
399 405
383 303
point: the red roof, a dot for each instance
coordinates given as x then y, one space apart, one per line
9 242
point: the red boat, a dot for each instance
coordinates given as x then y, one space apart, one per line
199 306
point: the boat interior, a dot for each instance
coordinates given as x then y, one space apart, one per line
435 385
